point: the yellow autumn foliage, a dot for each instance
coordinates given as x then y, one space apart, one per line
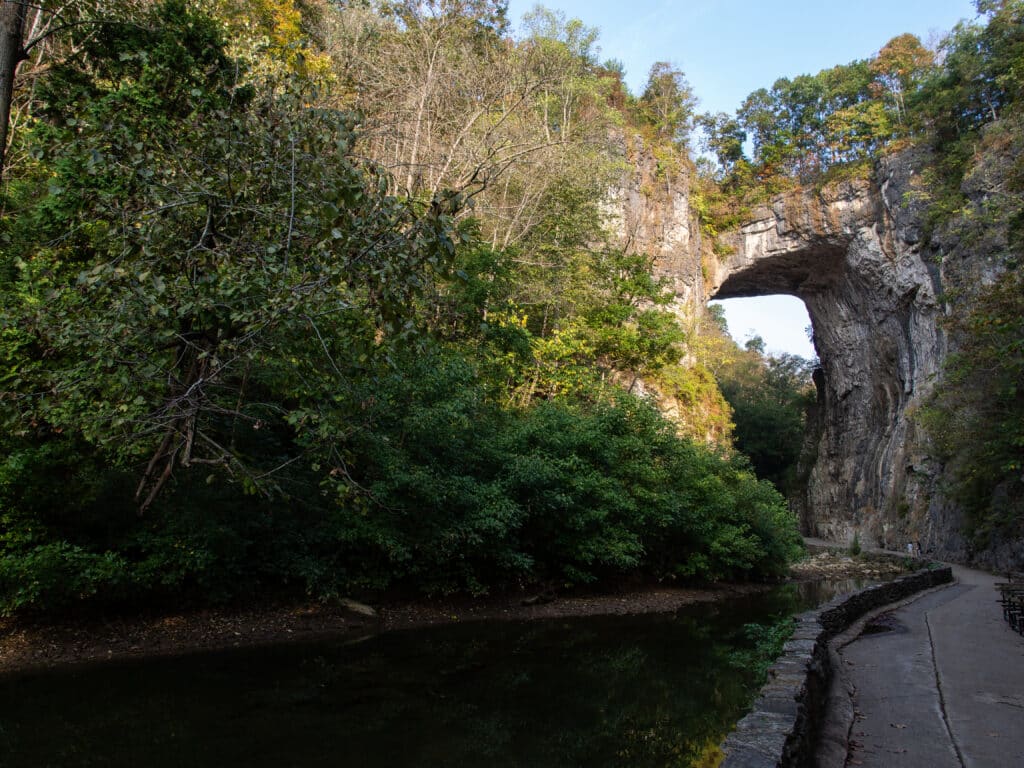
279 28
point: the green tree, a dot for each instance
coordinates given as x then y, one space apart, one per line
900 67
769 397
667 104
12 53
724 136
976 417
979 76
166 256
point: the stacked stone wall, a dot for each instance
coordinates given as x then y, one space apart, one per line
782 729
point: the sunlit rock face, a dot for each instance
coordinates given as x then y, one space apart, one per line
875 293
649 212
853 251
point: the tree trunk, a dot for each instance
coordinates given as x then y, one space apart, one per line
425 93
12 52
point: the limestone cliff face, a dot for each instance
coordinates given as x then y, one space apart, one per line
650 213
854 253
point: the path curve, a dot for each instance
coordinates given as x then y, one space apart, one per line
941 685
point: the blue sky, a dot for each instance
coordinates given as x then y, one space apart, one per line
729 48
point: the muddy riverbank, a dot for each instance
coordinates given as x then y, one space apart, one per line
26 643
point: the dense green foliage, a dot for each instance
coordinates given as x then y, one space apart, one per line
977 415
173 275
446 491
564 490
241 358
769 396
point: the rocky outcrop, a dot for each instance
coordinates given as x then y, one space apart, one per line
650 212
854 253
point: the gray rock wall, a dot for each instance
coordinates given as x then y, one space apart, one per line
851 252
854 253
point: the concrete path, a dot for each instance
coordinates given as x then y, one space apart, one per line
941 685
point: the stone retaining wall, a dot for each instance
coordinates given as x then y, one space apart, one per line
782 729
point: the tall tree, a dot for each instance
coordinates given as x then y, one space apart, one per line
38 35
899 68
441 98
12 52
175 252
668 103
723 135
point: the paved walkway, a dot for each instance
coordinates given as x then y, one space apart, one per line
942 686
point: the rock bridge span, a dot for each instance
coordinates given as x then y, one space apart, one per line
852 252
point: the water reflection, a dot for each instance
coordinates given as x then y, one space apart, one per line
814 593
612 691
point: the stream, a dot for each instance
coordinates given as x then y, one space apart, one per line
639 691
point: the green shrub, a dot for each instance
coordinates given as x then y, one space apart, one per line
58 574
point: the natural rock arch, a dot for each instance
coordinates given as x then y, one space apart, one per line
852 253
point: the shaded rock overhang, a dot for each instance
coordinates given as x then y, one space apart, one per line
801 273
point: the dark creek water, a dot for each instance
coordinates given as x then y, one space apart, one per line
614 691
